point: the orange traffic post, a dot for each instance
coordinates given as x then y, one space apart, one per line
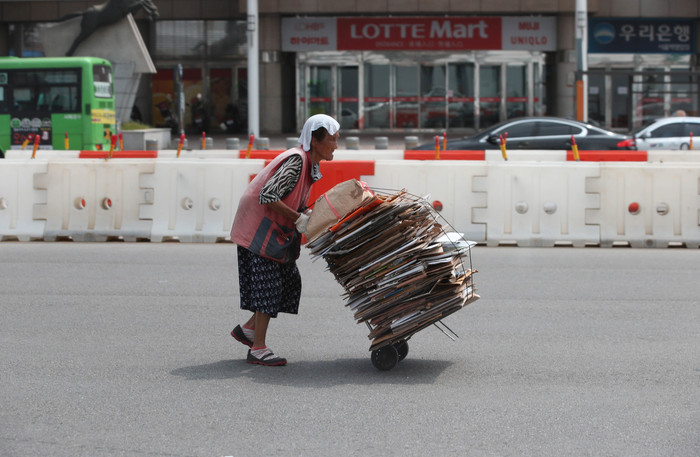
36 145
504 138
26 141
121 141
444 141
690 146
574 149
204 140
437 147
180 144
250 145
112 144
66 141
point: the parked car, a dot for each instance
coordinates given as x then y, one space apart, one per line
667 133
540 133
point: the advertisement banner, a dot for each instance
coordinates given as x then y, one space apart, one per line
419 33
309 34
529 33
641 36
24 130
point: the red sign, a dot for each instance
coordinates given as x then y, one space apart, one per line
419 33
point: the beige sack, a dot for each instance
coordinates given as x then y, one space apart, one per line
335 204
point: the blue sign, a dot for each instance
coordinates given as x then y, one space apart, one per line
641 36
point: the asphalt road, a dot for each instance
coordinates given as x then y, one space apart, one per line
123 349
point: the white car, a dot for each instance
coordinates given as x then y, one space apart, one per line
669 133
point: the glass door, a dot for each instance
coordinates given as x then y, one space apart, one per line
516 90
460 94
320 90
377 96
684 98
596 98
434 100
406 96
620 93
348 98
653 89
489 95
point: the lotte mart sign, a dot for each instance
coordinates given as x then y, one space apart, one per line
419 34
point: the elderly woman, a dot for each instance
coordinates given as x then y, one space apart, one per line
270 219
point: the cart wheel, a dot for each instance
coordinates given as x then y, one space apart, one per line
402 349
385 357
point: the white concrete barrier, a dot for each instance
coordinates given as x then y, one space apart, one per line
94 199
673 156
445 183
199 154
537 204
196 200
17 199
48 154
525 155
368 154
647 204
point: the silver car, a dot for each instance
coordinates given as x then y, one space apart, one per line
669 133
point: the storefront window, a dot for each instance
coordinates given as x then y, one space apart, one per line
25 40
383 90
200 39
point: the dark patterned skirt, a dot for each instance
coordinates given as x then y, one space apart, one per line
267 286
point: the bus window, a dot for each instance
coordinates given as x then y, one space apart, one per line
4 105
23 99
103 81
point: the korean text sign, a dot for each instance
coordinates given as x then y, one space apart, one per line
641 36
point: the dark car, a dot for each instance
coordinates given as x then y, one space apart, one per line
540 133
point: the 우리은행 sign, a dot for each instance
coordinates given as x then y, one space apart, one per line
641 36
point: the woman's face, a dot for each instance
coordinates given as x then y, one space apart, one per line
323 149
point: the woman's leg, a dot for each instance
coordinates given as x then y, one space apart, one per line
251 322
261 322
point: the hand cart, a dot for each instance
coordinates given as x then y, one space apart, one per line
402 272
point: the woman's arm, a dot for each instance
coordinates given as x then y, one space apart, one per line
283 209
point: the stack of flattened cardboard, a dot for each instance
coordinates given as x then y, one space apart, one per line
401 271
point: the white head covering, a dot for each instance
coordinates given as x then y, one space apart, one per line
314 123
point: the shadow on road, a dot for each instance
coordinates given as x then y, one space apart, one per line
324 373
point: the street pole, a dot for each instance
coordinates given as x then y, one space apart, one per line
253 70
581 60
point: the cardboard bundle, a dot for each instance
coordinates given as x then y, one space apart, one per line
400 270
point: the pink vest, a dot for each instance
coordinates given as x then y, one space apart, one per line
263 231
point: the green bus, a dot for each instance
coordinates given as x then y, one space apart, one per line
56 98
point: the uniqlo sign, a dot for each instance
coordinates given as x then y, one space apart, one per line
419 33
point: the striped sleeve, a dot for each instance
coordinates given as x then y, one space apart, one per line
283 181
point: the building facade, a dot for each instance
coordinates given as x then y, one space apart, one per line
403 65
